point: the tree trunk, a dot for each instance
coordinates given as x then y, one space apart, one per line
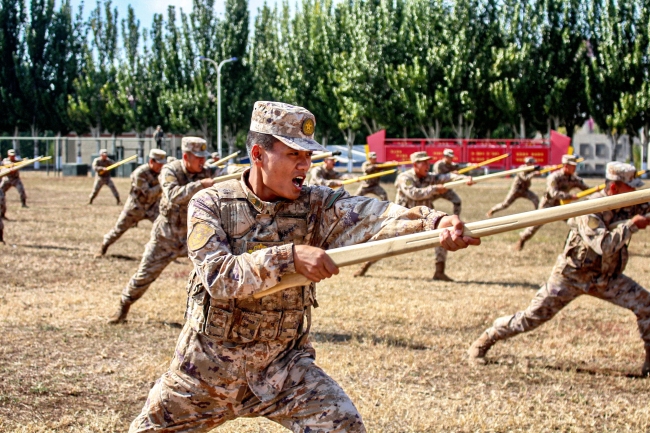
15 141
35 131
522 127
114 145
458 129
231 139
97 132
350 135
614 141
140 136
644 146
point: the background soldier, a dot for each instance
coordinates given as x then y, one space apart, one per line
325 175
417 187
243 357
143 199
520 189
558 187
13 179
444 166
593 261
158 135
371 186
103 177
179 180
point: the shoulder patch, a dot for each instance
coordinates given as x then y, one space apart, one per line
593 222
170 178
333 198
201 234
408 183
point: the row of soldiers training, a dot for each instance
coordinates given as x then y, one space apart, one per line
244 349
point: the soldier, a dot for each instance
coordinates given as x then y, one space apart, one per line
3 209
371 186
418 187
520 188
238 356
143 199
444 166
325 175
103 177
179 181
13 179
592 263
558 187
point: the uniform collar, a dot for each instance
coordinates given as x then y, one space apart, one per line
263 207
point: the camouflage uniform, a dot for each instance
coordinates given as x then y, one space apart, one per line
324 177
442 167
3 204
558 187
371 186
243 357
142 203
520 189
103 179
592 263
13 179
169 231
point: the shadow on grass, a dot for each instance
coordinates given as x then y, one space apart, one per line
50 247
591 371
502 283
123 257
330 337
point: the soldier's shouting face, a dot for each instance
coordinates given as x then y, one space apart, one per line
278 172
421 168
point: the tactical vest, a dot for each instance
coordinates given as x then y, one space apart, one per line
176 214
145 173
279 316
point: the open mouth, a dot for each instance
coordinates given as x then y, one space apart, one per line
298 181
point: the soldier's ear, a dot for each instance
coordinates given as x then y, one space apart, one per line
256 153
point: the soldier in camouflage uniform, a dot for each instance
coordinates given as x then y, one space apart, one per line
143 199
418 187
103 177
520 189
238 356
445 166
325 175
13 179
371 186
179 181
592 263
3 209
558 187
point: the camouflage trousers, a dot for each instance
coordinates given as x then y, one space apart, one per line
451 196
165 245
376 190
16 183
514 195
559 292
184 401
3 204
529 232
101 181
128 218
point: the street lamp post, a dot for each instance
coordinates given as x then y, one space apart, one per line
218 66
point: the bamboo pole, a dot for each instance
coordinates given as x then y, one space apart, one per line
22 164
489 176
481 164
117 164
226 177
367 176
557 167
324 155
370 251
220 163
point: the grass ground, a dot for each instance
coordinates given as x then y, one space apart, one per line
394 340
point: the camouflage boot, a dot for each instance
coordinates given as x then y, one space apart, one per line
364 268
120 314
519 245
102 251
2 236
24 203
479 348
440 275
645 371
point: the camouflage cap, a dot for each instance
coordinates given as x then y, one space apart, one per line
529 160
158 155
622 172
292 125
570 159
103 152
372 155
419 156
196 146
11 152
448 152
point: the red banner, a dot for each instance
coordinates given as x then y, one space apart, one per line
400 153
476 154
541 154
436 153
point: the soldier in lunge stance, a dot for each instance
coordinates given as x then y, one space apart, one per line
180 180
592 263
371 186
13 179
143 199
520 189
238 356
325 175
558 187
103 177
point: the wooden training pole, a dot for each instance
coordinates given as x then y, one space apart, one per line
117 164
367 176
220 163
18 166
226 177
481 164
592 190
376 250
393 164
489 176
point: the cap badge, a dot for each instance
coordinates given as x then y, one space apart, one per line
203 147
308 127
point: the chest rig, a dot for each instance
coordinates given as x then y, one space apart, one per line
251 225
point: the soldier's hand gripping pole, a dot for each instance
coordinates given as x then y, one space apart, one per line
489 176
481 164
376 250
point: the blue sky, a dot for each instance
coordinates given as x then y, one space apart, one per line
145 9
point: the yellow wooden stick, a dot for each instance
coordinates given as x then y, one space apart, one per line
370 251
557 167
220 163
393 164
18 166
324 155
592 190
318 164
489 176
367 176
226 177
481 164
117 164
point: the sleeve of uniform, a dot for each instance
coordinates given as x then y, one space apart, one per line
599 238
175 193
353 220
553 191
224 274
408 188
94 165
436 166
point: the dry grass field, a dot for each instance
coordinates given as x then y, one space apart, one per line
394 339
